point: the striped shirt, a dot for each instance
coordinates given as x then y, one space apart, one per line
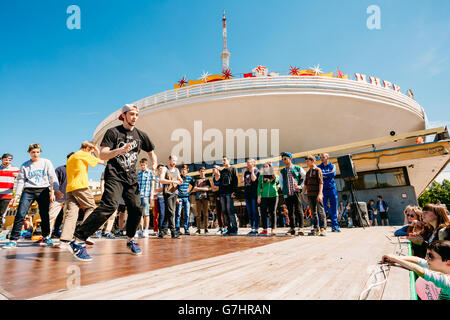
7 177
183 188
145 183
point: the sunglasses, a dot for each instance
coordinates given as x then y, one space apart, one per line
285 158
411 215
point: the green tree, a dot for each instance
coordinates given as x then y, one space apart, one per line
436 191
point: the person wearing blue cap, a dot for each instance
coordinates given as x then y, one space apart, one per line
330 193
292 178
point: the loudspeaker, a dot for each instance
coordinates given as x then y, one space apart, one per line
364 214
347 167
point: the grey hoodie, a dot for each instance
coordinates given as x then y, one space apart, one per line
39 174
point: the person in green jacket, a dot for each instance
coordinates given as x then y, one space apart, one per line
268 183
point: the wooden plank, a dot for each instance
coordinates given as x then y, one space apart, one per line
31 270
332 267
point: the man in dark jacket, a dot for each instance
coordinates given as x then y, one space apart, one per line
227 188
383 208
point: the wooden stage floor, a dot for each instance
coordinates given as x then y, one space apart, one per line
201 267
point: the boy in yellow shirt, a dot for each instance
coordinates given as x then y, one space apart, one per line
78 192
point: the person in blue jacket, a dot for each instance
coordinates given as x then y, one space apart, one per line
330 193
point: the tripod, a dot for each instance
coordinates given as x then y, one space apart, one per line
355 203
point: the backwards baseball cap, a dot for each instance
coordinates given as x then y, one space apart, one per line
126 108
286 154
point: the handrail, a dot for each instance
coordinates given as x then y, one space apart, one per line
316 83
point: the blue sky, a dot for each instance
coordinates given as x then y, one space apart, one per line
57 85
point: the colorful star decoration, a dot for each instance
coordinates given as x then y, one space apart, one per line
339 73
227 74
293 71
182 82
317 70
204 76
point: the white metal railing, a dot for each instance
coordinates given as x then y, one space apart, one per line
255 83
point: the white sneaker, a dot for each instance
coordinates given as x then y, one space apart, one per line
63 245
89 241
145 233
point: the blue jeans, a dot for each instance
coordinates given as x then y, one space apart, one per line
161 210
331 196
43 200
145 204
253 214
227 203
186 205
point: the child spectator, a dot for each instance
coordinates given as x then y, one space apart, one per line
308 215
285 214
412 214
435 268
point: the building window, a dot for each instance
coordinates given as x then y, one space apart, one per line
391 178
385 178
366 181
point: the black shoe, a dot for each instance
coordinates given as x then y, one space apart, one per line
206 230
55 236
160 235
291 232
198 231
175 236
187 233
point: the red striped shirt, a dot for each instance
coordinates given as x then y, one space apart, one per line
7 178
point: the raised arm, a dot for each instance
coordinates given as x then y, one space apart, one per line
106 153
410 263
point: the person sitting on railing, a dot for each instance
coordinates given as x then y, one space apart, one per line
434 220
435 267
412 214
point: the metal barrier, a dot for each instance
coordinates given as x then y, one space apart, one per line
412 277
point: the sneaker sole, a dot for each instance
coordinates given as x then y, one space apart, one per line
135 253
69 248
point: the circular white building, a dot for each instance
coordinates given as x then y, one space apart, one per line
262 116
